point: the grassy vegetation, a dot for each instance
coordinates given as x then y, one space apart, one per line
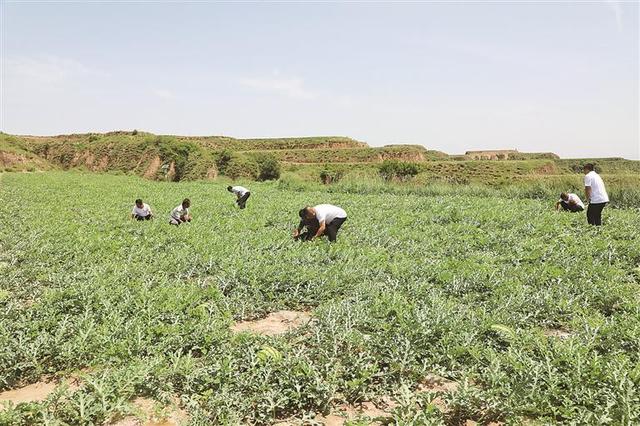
323 142
196 157
355 155
462 284
15 157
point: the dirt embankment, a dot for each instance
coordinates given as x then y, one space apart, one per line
414 156
13 161
549 168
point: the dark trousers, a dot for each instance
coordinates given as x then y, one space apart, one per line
571 208
594 213
147 217
242 201
331 230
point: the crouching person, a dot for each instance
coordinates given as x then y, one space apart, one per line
181 214
570 203
330 218
141 211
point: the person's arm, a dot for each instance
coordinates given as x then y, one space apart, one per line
320 229
133 215
587 188
297 230
557 205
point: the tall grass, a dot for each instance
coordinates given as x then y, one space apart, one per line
624 190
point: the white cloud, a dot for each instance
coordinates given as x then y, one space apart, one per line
290 87
46 69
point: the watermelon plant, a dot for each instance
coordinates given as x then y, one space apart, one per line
533 315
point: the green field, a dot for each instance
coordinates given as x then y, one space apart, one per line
528 315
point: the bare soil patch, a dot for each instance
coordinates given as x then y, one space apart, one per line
8 159
103 164
150 413
36 392
212 173
274 324
153 168
435 383
367 409
557 332
171 174
345 412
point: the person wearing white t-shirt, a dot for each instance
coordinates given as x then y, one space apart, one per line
141 211
330 218
180 214
595 194
242 195
570 203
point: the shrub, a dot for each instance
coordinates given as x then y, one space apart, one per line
268 167
171 150
240 166
222 160
330 175
398 170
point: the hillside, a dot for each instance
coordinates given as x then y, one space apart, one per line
174 158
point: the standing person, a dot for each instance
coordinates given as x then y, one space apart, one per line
595 194
570 202
141 211
330 219
181 214
242 195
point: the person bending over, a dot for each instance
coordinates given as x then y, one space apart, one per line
181 214
595 194
330 218
570 203
141 211
242 195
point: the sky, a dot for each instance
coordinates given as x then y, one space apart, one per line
551 76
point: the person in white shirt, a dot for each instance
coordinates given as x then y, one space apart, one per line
180 214
570 202
141 211
330 218
242 195
595 194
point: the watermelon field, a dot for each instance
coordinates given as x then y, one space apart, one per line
430 309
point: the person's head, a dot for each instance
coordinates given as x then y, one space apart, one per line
306 213
186 203
564 196
229 188
139 202
589 167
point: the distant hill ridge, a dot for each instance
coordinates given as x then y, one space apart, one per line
174 157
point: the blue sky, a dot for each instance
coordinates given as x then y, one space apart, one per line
561 77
